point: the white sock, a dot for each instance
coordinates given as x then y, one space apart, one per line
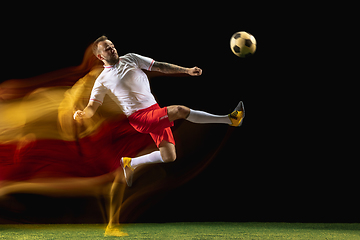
154 157
204 117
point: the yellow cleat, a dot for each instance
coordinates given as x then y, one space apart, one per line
128 170
237 116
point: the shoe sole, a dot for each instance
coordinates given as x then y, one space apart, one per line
128 181
240 107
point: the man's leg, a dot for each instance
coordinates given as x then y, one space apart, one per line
166 153
176 112
129 164
153 157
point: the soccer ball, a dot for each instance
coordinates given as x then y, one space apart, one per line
243 44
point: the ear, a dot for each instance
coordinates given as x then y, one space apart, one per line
99 57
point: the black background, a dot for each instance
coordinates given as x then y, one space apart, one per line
286 163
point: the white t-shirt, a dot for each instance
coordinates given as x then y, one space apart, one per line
126 84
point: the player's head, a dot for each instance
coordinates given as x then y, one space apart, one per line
105 50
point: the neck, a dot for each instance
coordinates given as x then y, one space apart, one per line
111 62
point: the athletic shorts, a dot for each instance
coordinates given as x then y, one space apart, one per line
154 121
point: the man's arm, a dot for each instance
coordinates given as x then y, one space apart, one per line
172 68
88 112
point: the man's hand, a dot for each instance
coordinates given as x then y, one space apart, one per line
195 71
88 112
78 115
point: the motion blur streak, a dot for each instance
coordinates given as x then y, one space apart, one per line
41 143
44 151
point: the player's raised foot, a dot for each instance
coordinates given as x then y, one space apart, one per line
128 170
237 116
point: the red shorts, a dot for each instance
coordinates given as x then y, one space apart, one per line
154 121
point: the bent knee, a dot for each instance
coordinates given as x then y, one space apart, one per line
176 112
169 157
182 111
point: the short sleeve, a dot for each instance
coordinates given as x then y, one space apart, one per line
143 62
98 92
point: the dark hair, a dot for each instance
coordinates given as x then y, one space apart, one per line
96 43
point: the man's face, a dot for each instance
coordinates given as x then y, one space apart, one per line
107 52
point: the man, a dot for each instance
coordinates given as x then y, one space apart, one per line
124 81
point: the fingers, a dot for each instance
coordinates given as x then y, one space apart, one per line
78 115
196 71
75 116
199 71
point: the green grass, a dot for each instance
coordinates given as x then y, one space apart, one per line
221 230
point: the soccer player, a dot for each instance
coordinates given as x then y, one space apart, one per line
124 81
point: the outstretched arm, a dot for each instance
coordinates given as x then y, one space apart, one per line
172 68
88 112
